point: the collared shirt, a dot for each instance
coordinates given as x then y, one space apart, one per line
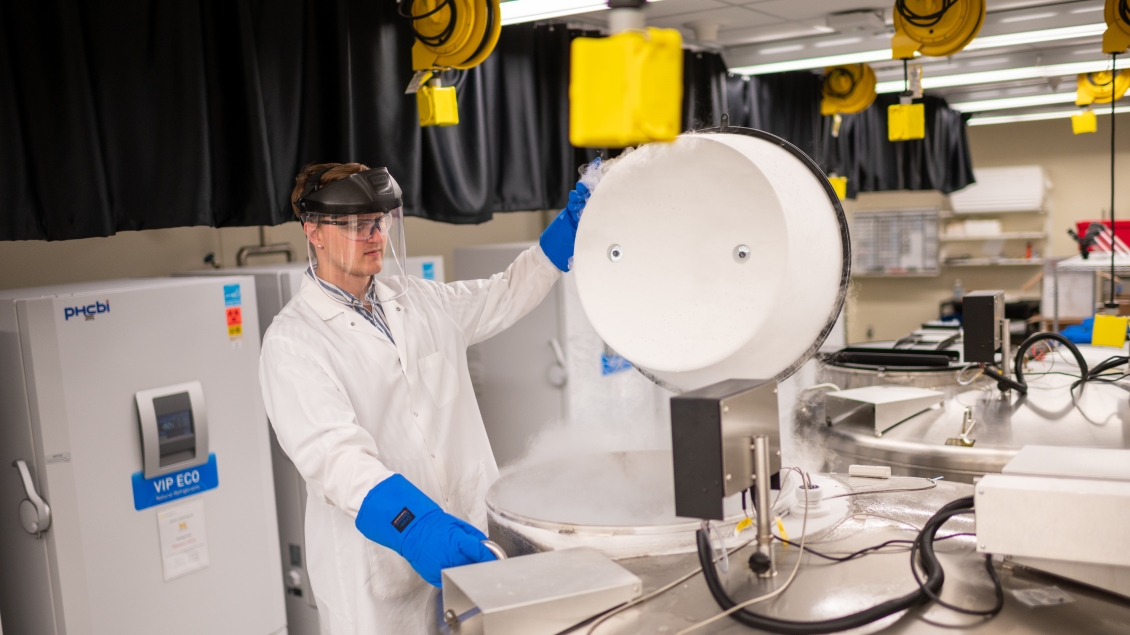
376 316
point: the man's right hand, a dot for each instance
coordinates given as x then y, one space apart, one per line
397 515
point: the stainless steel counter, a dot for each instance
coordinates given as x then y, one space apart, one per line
823 590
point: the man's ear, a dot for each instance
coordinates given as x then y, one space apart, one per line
312 233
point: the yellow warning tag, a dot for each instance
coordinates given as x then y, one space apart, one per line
743 525
235 330
781 528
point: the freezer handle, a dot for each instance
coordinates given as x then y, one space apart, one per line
35 514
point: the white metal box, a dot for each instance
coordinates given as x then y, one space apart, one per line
1061 510
539 594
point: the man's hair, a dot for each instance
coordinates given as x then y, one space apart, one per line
336 172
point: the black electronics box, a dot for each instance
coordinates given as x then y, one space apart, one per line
982 315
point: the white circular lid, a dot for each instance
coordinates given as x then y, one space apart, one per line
717 256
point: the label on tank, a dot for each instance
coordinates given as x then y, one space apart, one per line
170 487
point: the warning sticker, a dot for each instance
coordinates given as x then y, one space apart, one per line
233 313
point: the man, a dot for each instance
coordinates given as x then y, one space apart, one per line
365 381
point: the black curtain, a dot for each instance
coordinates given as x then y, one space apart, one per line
788 105
704 90
873 164
139 115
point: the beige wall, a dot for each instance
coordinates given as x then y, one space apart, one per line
1079 169
160 252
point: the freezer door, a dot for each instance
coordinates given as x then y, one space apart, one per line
26 595
117 569
518 379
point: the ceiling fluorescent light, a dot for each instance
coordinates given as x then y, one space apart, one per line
1039 116
777 50
814 62
1031 16
1014 102
823 44
981 43
518 11
1003 75
1032 37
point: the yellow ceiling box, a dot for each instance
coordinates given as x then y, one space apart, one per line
1095 88
906 122
839 184
626 89
437 105
1117 36
1084 122
938 28
847 89
450 34
1109 330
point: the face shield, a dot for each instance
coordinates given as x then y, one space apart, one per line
355 236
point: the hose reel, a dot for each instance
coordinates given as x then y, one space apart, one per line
938 28
1097 88
1116 38
847 89
450 34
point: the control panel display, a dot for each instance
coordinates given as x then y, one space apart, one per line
177 424
174 428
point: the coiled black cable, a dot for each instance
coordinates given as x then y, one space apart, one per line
839 71
431 40
992 611
935 577
1018 384
929 19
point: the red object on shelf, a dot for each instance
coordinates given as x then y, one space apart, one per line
1121 232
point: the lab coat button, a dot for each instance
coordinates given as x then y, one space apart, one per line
397 308
415 414
433 456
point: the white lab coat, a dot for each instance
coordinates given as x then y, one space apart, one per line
350 409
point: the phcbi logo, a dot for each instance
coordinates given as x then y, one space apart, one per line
88 311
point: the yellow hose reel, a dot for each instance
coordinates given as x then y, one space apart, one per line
1116 39
938 28
1095 88
847 89
450 34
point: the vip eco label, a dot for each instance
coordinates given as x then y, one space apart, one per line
148 492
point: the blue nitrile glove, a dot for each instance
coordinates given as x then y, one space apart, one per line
557 239
399 516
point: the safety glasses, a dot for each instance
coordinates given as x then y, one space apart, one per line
361 228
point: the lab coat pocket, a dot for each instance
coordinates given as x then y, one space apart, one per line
440 378
392 576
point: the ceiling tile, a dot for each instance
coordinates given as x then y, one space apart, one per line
809 9
772 33
728 17
677 7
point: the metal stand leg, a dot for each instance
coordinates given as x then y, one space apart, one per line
764 512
